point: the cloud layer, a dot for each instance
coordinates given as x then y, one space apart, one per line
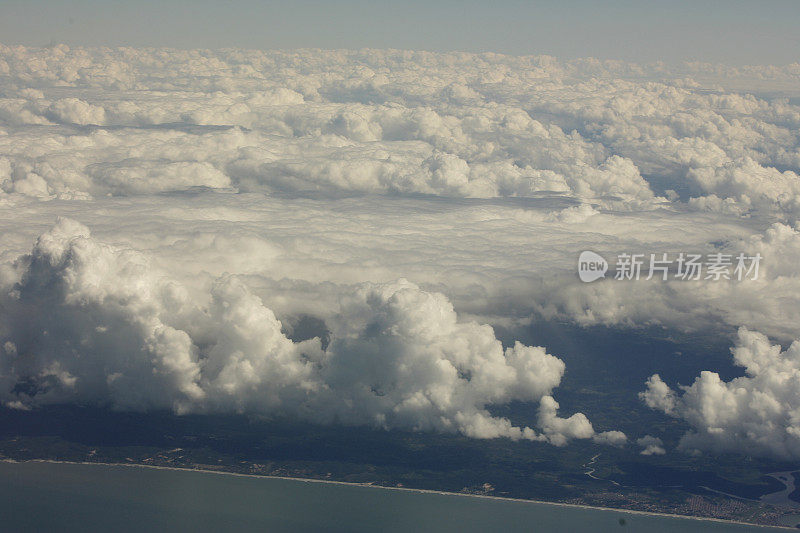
404 200
457 125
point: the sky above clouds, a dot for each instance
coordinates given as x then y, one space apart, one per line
167 218
734 32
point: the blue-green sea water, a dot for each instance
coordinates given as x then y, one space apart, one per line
74 497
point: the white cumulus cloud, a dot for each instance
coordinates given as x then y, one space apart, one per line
758 413
89 322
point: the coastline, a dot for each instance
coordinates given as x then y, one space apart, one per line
406 489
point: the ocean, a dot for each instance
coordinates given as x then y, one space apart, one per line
41 496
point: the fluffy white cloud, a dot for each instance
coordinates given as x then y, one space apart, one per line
758 413
397 122
412 122
746 186
612 438
92 323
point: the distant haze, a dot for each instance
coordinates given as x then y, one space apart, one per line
733 32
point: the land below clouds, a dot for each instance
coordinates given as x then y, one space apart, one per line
622 479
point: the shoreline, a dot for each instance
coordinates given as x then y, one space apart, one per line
406 489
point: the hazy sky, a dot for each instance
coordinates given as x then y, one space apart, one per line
731 31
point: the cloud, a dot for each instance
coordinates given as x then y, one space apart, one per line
612 438
651 445
745 186
758 413
484 126
89 322
76 111
131 176
225 185
84 323
658 395
407 123
301 254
